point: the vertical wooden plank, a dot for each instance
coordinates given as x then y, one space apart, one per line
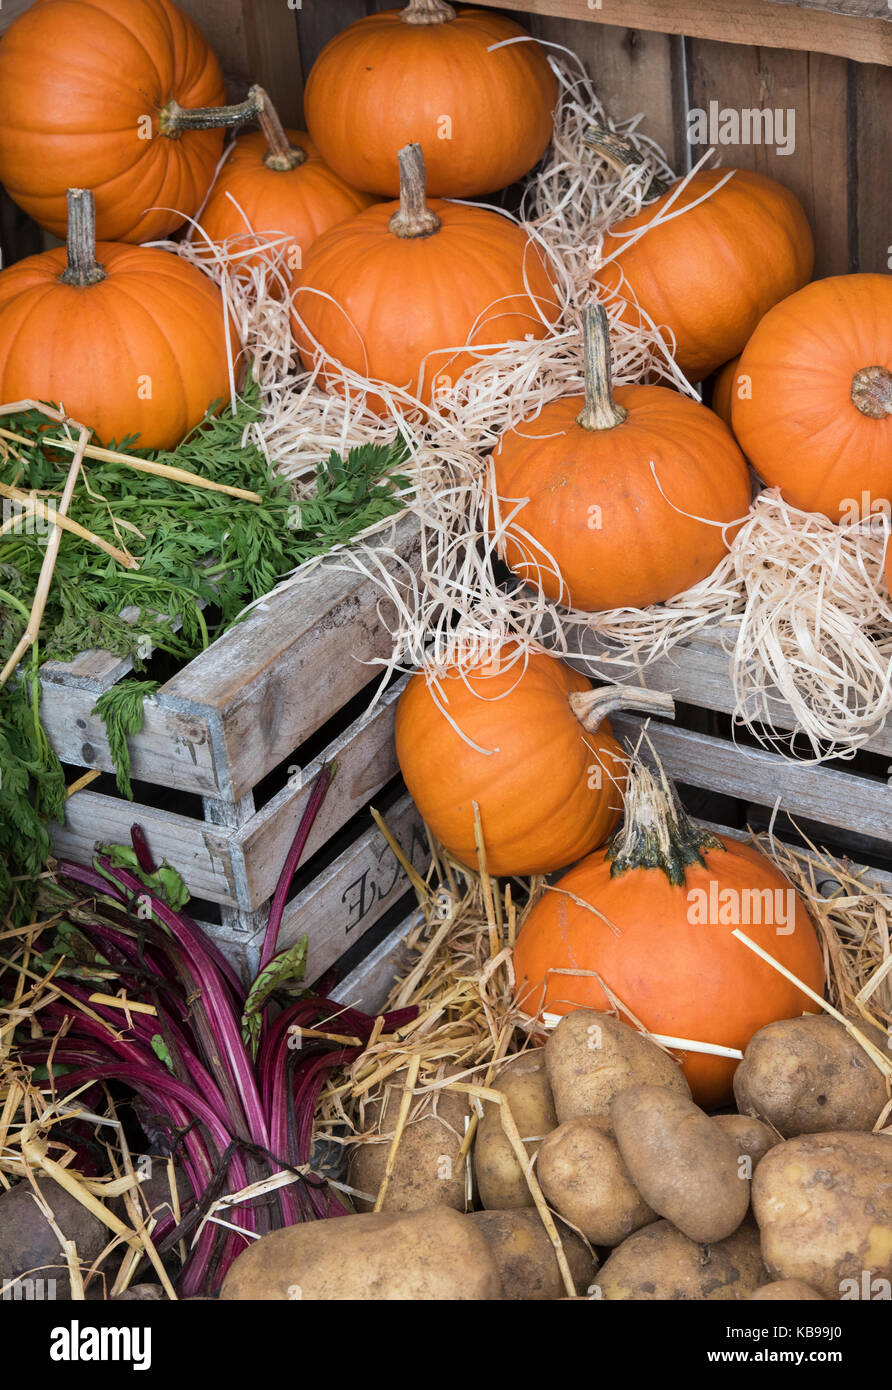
319 20
633 72
814 87
873 230
255 41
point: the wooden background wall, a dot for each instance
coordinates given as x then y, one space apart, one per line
791 56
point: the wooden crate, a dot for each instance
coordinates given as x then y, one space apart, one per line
237 716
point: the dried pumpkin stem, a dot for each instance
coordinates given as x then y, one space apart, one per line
592 707
82 268
281 155
414 218
427 12
621 155
173 118
872 392
657 832
601 411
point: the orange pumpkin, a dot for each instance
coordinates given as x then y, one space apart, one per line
529 744
667 896
705 277
617 485
816 417
275 183
722 390
129 339
432 76
403 292
93 94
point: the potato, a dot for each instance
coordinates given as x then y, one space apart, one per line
30 1248
583 1176
526 1258
418 1255
681 1162
428 1170
785 1291
591 1057
752 1137
824 1206
501 1184
141 1293
659 1263
808 1076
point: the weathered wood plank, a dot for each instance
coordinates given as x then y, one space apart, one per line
198 850
732 21
370 982
255 41
365 755
835 798
355 891
171 749
272 680
812 158
870 151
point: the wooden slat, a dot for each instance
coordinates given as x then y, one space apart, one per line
872 234
359 887
365 755
864 9
835 798
171 749
370 982
696 672
272 680
814 87
255 41
633 71
733 21
197 849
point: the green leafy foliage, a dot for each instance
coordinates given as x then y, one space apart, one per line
121 710
165 882
282 971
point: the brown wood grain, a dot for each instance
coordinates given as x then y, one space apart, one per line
732 21
814 88
872 223
255 41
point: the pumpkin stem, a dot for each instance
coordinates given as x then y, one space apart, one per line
657 832
82 268
872 392
592 707
415 218
601 411
427 12
621 155
173 118
281 155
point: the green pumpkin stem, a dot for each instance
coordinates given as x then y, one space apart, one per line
281 154
414 218
173 118
657 832
621 155
592 707
872 392
601 411
427 12
82 268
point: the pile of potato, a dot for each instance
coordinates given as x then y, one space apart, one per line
790 1198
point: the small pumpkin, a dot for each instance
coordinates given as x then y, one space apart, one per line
626 491
654 914
722 397
529 742
129 339
275 183
403 292
815 419
704 277
434 76
94 92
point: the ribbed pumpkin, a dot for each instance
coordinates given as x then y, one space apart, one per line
667 896
396 292
529 744
592 469
706 277
275 182
434 76
723 390
816 418
129 339
92 92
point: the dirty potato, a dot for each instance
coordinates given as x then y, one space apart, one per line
527 1261
583 1176
428 1170
659 1263
592 1056
523 1081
